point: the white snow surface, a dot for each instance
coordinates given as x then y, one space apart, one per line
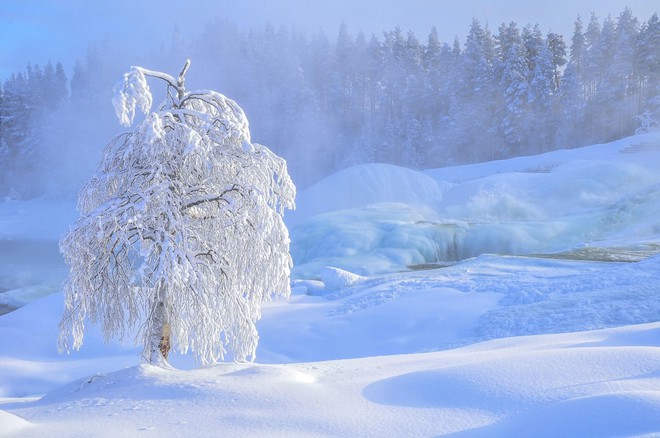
358 186
602 196
542 317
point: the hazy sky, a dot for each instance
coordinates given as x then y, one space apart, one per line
38 30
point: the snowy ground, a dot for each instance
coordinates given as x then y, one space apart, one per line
540 316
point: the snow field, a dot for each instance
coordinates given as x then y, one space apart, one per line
534 251
599 383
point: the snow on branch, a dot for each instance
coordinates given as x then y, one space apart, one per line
131 92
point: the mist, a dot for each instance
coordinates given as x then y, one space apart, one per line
327 85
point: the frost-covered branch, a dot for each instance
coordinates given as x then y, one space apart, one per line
133 91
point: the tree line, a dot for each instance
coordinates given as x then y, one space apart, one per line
326 103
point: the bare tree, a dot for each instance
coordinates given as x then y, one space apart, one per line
181 232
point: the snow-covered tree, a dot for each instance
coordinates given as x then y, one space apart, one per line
648 61
557 48
578 46
533 42
542 100
515 90
476 95
20 139
353 99
181 233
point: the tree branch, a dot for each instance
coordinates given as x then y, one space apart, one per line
178 84
182 78
212 198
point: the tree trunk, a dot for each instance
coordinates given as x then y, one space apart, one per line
160 338
164 344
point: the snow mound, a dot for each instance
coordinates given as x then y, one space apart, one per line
10 424
366 184
569 189
335 278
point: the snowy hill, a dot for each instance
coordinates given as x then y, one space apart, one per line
541 317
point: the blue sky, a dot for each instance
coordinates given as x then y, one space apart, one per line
39 30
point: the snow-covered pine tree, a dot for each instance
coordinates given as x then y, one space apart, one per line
475 112
541 99
557 48
577 50
515 92
648 62
19 118
181 232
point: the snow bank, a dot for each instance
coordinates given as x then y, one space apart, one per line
603 195
385 238
478 299
11 424
546 162
366 184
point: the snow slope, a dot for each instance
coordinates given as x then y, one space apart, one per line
529 253
601 383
